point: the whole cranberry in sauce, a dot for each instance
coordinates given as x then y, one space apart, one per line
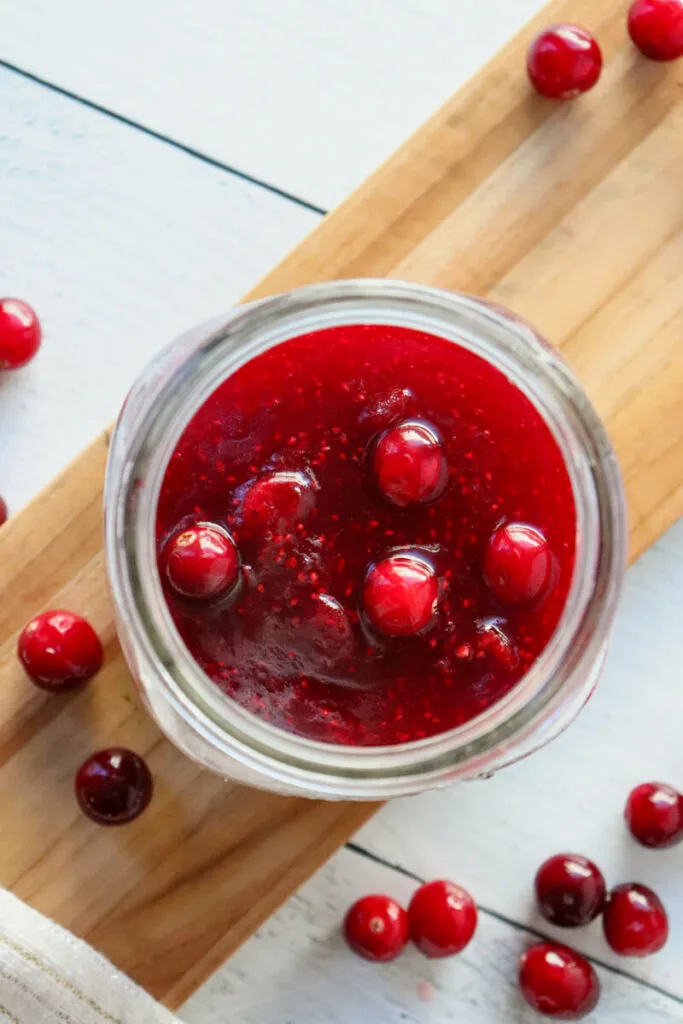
409 463
202 562
518 564
401 595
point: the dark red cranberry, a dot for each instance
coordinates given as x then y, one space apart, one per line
570 890
557 981
3 511
59 650
518 563
564 61
409 464
277 501
20 334
442 918
401 594
202 562
654 814
635 921
656 28
113 786
376 927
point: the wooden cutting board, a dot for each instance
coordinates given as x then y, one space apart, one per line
570 214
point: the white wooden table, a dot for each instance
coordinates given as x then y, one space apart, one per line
155 159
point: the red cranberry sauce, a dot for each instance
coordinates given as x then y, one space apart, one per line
292 642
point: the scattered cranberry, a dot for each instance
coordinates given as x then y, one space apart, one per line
563 61
635 921
656 28
400 595
202 562
557 981
277 501
409 464
376 927
113 786
442 919
59 650
518 563
20 334
570 890
3 512
654 814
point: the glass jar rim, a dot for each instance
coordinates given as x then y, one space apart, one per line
225 345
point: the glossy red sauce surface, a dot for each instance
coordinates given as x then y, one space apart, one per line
293 642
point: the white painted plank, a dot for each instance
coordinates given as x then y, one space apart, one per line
297 969
309 96
120 242
492 835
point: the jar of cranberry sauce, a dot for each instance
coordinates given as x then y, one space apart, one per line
363 539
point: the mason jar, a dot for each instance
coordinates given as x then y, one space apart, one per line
224 736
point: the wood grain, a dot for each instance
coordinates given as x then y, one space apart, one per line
501 194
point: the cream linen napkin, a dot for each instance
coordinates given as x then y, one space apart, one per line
47 975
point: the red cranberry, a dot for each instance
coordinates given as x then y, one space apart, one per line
202 562
654 814
59 650
326 636
493 639
277 501
635 921
570 890
20 334
656 28
563 61
518 563
383 409
400 595
409 464
442 919
113 786
3 511
376 927
557 981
